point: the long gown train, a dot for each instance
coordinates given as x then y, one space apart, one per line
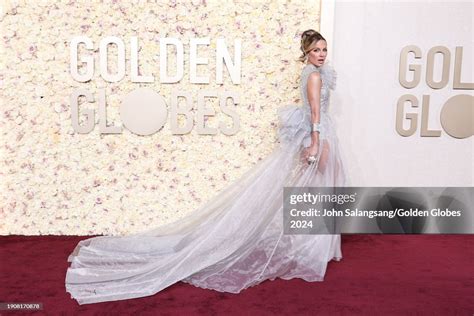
233 241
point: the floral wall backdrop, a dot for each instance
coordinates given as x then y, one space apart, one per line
56 181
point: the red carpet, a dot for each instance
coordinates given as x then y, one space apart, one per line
379 275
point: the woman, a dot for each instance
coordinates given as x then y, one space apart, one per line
235 240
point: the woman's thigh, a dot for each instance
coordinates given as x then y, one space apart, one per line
324 157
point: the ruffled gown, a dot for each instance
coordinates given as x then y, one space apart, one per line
235 240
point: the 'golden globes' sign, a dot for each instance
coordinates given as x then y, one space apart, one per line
457 113
143 111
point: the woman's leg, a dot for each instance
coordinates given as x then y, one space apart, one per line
324 158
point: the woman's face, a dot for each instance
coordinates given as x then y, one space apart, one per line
317 53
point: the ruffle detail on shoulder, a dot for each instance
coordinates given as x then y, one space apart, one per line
294 120
328 76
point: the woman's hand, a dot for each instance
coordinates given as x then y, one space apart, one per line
311 151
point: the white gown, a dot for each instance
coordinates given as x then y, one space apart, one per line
236 239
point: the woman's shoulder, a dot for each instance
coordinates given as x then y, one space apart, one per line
306 72
326 72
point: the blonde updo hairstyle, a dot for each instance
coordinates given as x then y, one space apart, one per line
307 39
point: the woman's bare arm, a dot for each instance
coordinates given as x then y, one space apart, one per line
314 96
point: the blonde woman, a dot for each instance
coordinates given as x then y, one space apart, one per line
235 240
